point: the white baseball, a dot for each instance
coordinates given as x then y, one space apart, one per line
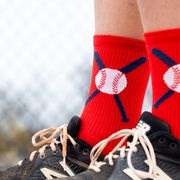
110 81
172 78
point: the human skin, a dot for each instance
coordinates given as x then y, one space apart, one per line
118 17
159 14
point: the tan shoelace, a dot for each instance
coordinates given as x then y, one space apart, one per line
139 137
48 138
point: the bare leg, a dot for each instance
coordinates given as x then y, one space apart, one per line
159 14
118 17
118 47
161 22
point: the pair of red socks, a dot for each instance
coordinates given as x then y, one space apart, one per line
120 74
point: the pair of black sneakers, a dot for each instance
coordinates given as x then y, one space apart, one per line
151 152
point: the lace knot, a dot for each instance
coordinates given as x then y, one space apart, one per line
47 138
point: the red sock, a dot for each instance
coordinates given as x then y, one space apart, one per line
164 53
119 79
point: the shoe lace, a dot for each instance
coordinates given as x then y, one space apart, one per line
48 138
139 137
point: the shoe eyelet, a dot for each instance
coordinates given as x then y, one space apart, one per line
173 145
42 157
77 146
85 151
162 140
55 152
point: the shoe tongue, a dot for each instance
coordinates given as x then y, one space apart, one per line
151 124
73 126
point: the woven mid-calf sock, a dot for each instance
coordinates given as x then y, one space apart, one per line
164 53
119 78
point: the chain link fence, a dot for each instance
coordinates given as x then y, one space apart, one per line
45 59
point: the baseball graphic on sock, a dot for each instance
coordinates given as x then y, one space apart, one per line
172 78
110 81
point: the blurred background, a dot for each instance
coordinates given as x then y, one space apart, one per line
45 65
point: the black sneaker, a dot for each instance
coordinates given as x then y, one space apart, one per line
151 153
61 154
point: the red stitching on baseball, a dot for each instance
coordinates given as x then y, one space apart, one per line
116 82
103 79
176 72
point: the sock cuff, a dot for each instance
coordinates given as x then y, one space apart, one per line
163 35
119 41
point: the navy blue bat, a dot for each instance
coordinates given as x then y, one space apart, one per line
169 62
130 67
